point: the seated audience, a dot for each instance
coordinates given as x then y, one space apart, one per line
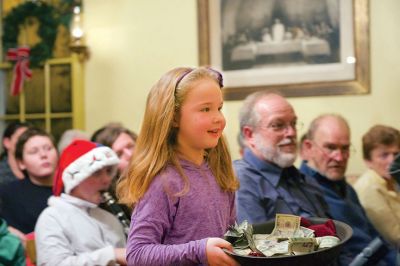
9 170
328 149
269 183
69 136
73 230
21 201
378 191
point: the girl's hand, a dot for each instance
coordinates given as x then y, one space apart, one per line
216 256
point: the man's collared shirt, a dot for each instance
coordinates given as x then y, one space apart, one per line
266 189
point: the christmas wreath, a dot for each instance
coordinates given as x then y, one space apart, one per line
47 29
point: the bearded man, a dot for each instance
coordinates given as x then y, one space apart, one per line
269 183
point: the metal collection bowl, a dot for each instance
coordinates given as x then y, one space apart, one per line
320 257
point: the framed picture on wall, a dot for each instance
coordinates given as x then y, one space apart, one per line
301 48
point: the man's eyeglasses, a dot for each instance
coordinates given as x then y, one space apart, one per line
280 127
332 149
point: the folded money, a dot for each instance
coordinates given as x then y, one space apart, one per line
287 238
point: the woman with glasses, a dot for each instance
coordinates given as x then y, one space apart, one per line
378 191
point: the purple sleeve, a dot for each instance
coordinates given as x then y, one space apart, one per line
151 221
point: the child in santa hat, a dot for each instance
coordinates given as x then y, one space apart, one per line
73 230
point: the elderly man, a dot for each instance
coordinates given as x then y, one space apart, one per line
269 183
328 149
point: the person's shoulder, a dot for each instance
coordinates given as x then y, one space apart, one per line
51 213
170 174
239 162
247 175
10 187
5 171
242 165
16 182
308 178
351 190
366 181
311 182
54 205
104 215
169 177
4 166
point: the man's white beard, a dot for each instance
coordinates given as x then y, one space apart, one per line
274 154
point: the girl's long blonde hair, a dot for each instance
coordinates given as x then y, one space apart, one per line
156 144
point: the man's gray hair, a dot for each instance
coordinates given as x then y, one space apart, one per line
248 115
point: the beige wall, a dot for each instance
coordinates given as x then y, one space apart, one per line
133 42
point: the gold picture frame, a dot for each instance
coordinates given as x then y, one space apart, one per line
359 84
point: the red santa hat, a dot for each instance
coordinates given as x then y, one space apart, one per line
80 160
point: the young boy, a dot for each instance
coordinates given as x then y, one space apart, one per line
73 230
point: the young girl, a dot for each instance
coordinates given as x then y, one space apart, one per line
181 180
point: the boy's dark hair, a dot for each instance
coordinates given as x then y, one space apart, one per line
9 131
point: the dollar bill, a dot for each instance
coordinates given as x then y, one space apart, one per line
242 252
306 232
286 226
327 241
260 236
236 235
301 245
273 248
265 242
241 236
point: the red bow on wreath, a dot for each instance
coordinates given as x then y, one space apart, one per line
21 69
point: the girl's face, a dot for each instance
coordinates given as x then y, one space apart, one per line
381 158
201 121
91 188
39 157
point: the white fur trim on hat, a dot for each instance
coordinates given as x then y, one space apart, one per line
86 165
